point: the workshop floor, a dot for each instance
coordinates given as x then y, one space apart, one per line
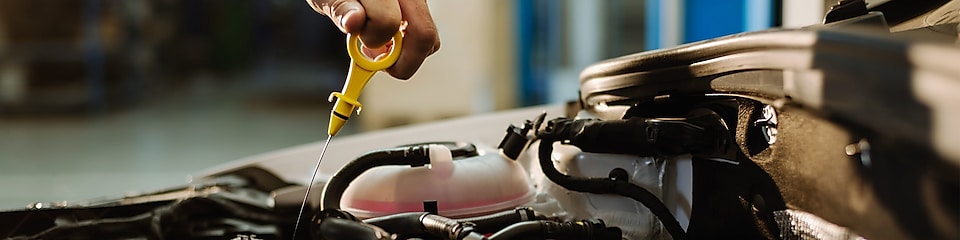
153 145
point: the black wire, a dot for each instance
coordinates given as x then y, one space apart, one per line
608 186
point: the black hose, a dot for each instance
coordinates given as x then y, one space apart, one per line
403 224
495 222
448 228
335 228
418 224
608 186
408 224
701 132
542 229
522 230
333 191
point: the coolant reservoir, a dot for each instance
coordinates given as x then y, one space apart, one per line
469 182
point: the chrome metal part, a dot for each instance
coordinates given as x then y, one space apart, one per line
861 149
310 186
796 224
768 124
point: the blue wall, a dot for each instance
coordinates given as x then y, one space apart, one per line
538 32
706 19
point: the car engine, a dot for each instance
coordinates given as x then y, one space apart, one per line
828 132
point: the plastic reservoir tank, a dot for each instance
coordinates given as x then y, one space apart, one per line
464 182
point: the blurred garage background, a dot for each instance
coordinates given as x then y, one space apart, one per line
100 97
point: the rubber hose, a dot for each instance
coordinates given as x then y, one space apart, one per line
442 227
402 224
333 191
522 230
542 229
495 222
409 223
418 224
607 186
335 228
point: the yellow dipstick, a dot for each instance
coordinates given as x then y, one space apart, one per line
361 70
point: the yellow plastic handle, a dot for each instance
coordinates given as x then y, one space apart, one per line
361 70
353 48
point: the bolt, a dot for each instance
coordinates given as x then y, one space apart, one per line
619 174
861 148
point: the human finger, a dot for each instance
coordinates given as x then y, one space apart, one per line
383 19
419 41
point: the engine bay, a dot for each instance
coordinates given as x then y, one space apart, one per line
780 134
547 179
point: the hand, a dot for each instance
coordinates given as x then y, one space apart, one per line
377 20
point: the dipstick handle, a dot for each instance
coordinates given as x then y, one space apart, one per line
361 70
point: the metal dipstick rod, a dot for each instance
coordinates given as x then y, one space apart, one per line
310 185
361 70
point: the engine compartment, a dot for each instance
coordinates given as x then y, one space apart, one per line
738 187
780 134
